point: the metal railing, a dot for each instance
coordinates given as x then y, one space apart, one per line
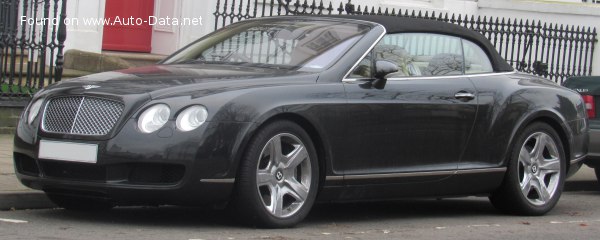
555 51
32 36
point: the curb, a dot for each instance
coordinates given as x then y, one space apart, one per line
24 200
38 200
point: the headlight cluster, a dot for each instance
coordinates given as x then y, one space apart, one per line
191 118
157 116
34 109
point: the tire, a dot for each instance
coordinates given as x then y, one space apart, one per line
535 173
273 192
79 203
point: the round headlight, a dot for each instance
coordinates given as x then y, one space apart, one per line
34 109
154 118
191 118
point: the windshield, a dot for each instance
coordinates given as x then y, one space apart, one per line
306 45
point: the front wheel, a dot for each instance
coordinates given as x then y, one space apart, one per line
278 176
535 175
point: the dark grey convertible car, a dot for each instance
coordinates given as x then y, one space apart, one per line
271 115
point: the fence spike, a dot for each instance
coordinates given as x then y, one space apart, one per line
330 9
521 23
321 7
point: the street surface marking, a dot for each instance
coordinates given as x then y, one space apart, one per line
12 220
484 225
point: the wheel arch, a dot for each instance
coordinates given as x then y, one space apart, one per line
551 118
315 135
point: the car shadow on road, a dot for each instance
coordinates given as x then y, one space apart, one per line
402 209
323 213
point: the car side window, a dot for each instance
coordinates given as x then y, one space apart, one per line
425 54
421 54
364 68
476 60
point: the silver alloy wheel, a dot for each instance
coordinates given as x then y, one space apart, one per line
283 175
539 168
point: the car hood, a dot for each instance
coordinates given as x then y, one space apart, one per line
167 80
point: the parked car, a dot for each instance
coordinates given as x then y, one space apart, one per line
589 88
273 114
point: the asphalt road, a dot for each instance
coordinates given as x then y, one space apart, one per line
577 216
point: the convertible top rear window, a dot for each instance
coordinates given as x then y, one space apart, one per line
310 45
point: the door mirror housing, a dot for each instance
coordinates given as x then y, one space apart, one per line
383 68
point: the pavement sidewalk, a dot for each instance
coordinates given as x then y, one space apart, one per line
13 195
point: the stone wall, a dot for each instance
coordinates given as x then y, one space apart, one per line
9 117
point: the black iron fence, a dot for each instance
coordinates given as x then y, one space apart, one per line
32 36
552 50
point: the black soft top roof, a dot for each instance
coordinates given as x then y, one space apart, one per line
398 24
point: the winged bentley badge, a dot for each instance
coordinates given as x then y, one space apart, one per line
88 87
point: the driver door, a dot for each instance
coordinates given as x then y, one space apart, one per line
417 126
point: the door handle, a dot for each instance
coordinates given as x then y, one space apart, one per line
464 96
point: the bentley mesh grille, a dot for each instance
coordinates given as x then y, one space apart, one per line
81 115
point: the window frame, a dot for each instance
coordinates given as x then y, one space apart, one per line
370 52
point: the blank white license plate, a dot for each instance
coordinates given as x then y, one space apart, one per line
68 151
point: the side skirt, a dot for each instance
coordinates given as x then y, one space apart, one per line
466 182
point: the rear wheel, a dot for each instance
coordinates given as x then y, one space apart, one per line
278 177
79 203
535 175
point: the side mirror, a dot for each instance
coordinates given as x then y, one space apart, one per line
383 68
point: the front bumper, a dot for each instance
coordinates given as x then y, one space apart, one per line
132 168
